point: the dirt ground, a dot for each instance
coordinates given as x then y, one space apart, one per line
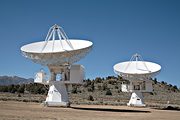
11 110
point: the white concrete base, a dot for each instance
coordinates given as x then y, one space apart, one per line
57 95
56 104
136 100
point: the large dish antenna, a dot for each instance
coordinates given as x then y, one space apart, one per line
58 52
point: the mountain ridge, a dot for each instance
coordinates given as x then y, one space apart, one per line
9 80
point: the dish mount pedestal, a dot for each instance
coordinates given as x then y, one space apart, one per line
57 94
136 99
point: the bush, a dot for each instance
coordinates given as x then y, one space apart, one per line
119 91
116 87
155 80
108 92
110 77
98 80
104 86
74 90
90 97
174 88
99 87
120 78
24 100
21 89
3 88
87 83
112 82
89 89
19 95
164 83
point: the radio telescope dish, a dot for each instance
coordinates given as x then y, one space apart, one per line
139 73
58 52
52 51
137 68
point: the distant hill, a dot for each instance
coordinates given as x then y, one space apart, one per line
9 80
108 91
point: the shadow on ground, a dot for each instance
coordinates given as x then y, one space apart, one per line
112 110
169 108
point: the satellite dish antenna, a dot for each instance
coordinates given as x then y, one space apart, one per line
139 73
58 53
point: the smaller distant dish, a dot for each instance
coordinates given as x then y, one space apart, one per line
137 68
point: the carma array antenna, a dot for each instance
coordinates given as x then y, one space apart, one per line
58 53
139 73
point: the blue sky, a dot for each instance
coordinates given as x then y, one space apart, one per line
118 29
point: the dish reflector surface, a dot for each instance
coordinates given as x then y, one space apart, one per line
137 67
56 46
60 51
59 55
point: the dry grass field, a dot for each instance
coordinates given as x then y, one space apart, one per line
12 110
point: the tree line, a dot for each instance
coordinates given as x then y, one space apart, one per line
33 88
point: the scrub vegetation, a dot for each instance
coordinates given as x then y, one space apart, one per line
97 91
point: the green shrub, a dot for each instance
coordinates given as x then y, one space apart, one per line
155 80
116 87
104 86
90 98
108 92
74 90
89 89
98 80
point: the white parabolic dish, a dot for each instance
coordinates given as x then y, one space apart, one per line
137 68
57 52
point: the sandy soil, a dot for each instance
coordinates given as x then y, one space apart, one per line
11 110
